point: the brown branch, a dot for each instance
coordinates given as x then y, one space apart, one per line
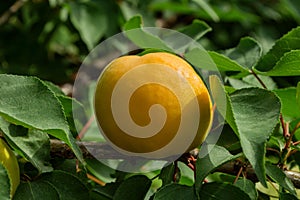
259 80
290 139
85 128
104 151
96 180
88 149
238 174
294 176
13 9
233 169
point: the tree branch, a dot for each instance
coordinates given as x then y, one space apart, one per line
104 151
13 9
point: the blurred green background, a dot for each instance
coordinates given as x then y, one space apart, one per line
50 38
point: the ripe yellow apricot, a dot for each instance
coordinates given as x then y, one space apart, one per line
9 161
151 103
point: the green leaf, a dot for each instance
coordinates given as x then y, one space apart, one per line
135 187
175 191
173 6
256 113
95 195
67 185
221 177
276 141
37 190
290 41
141 37
34 145
192 33
224 63
24 101
238 84
208 9
268 81
247 52
229 140
71 105
184 175
289 108
28 102
54 88
133 23
100 170
4 183
248 187
196 30
251 81
107 191
199 57
287 196
89 19
222 191
288 65
167 174
298 95
270 190
293 8
222 101
280 177
218 93
216 157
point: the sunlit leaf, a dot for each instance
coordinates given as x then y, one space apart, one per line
208 9
224 63
196 30
290 41
289 108
28 102
89 19
288 65
246 53
34 145
140 37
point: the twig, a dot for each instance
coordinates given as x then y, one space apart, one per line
238 174
296 143
233 167
259 80
294 176
96 180
85 128
176 171
13 9
274 150
88 149
288 143
283 125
